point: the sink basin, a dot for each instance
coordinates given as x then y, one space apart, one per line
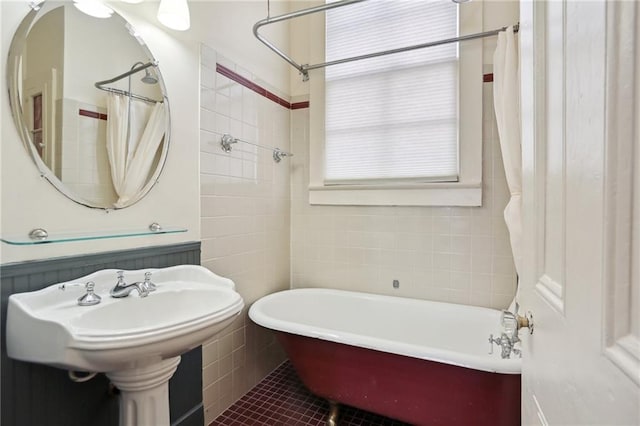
136 341
191 304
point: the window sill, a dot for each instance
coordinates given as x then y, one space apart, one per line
428 194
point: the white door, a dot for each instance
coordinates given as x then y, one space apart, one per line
580 91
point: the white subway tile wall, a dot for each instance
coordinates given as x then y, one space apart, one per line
453 254
84 168
245 206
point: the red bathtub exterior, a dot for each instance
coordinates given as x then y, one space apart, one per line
409 389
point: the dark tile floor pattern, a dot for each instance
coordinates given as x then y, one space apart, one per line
282 400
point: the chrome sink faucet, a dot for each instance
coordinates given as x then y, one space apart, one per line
122 289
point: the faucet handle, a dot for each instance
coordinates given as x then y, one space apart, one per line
89 298
493 340
504 342
514 322
120 275
147 282
509 323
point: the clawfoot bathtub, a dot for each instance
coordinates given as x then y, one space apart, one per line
422 362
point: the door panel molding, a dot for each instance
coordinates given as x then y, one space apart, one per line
621 334
550 196
551 292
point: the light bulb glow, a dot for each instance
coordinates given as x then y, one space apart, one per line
95 8
174 14
132 1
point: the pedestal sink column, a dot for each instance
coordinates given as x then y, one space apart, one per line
144 393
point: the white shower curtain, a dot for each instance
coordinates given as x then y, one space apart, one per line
131 161
117 139
506 99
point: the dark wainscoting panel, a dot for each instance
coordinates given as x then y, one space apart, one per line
35 394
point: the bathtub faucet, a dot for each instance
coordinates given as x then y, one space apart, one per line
506 343
122 289
511 323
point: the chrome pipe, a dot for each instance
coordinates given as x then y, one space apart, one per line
409 48
304 69
100 84
291 15
227 140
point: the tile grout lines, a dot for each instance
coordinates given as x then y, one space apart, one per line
282 400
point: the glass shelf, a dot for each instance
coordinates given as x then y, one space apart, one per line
26 240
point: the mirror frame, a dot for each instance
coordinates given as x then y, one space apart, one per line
14 76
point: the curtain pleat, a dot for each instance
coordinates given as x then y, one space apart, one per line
131 162
506 98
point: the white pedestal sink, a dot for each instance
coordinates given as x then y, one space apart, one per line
136 341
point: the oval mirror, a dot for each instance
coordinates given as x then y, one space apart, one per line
90 104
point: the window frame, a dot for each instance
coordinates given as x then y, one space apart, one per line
467 191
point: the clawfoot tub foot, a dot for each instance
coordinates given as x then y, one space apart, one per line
334 410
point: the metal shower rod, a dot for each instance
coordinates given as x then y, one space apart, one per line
102 84
304 69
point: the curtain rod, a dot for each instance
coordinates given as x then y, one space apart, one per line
304 69
100 84
227 140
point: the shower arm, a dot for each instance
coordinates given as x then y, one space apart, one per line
100 84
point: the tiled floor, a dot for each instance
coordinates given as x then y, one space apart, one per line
282 400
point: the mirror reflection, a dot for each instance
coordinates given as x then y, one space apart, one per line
89 101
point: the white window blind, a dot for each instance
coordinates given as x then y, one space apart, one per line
395 117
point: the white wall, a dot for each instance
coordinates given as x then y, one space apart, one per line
45 49
84 162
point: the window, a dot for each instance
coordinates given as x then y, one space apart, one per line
380 124
400 129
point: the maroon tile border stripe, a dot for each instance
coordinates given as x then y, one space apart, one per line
232 75
92 114
300 105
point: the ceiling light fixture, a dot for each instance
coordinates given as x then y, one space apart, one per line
36 5
95 8
174 14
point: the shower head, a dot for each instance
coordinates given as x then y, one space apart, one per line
148 78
